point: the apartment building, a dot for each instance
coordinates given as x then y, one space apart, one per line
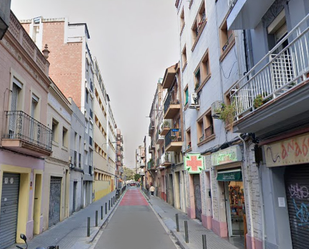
119 160
271 102
56 177
105 142
77 198
72 70
25 137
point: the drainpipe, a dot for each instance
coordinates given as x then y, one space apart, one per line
262 211
249 193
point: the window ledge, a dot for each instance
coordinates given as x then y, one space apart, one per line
199 35
203 83
64 148
206 140
227 50
55 143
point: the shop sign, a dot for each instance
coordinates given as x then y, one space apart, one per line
231 175
228 155
194 163
294 150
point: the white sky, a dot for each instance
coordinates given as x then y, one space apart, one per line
134 42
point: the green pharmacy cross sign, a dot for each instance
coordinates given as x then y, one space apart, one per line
193 163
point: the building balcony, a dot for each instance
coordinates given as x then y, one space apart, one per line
150 164
171 107
274 94
151 128
246 14
169 77
159 138
167 159
165 127
173 140
142 164
24 134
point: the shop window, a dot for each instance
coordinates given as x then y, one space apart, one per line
227 39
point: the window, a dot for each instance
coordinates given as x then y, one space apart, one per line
227 39
205 131
16 95
198 24
202 72
276 30
55 125
186 95
182 20
65 137
86 95
184 58
188 139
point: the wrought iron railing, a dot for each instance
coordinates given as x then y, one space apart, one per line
20 125
276 73
170 101
173 136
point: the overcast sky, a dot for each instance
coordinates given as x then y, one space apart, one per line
134 42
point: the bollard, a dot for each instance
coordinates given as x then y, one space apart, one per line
101 212
109 205
204 241
88 227
96 218
177 223
186 231
105 207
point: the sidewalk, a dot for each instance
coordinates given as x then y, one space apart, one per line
195 227
72 232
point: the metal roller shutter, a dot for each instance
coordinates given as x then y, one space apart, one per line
54 200
9 209
297 189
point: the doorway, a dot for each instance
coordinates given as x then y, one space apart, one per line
235 207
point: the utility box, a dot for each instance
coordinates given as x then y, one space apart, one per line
5 8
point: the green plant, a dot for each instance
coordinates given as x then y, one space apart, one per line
227 112
258 101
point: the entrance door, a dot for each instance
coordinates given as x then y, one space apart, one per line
9 209
197 197
54 200
74 196
170 192
234 196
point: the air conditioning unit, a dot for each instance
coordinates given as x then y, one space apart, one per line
194 102
216 108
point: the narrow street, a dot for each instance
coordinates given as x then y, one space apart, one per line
134 225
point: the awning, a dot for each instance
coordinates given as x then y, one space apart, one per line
230 175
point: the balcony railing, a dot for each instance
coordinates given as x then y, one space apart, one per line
170 101
276 73
172 136
21 126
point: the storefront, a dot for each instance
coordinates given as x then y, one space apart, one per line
290 158
230 218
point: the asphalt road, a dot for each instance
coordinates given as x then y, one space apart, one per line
134 226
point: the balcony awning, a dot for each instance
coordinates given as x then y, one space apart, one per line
246 14
230 175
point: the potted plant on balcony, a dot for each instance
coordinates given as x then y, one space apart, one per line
227 112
